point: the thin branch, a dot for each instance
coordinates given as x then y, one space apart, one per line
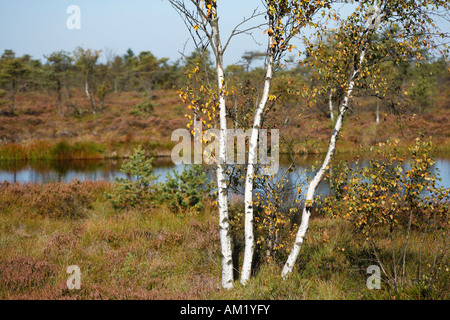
236 32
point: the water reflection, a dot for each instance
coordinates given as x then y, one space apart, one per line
66 171
107 170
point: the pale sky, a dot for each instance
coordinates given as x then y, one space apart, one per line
39 27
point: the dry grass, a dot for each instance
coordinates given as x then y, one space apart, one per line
152 253
141 254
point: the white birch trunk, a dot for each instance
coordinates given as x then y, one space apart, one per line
250 175
330 105
86 89
289 265
224 226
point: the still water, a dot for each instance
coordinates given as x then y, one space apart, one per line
107 170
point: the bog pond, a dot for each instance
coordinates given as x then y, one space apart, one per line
108 170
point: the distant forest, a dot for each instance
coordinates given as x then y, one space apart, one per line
63 73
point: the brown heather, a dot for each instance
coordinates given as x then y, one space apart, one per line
153 253
24 273
59 200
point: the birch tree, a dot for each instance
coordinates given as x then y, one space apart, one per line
356 32
103 86
202 20
285 20
86 60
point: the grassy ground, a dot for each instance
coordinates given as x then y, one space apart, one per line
152 253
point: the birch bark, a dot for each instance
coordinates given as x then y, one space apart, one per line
250 175
88 94
330 105
224 226
289 265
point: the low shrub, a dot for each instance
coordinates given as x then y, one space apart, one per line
180 191
184 190
137 189
146 107
399 212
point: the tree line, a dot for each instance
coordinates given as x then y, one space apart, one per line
63 73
